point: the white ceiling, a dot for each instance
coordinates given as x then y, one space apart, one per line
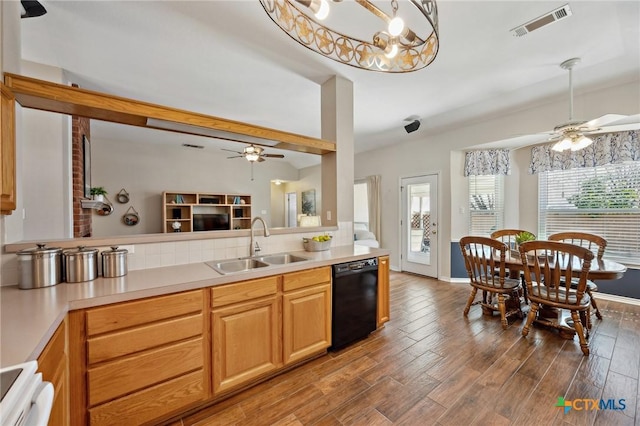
228 59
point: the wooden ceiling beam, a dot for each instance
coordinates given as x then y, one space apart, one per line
44 95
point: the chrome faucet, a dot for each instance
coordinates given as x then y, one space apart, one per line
252 248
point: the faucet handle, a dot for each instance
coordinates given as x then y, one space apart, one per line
257 249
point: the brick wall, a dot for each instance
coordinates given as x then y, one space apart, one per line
81 217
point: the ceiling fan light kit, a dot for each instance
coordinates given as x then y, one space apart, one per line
393 47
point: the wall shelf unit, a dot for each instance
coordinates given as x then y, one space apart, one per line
205 211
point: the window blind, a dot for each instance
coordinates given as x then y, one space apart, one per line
486 204
602 200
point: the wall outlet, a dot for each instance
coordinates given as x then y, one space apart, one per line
328 214
263 212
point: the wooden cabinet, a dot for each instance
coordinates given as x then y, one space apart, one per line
145 360
52 363
383 290
196 211
246 332
306 313
7 151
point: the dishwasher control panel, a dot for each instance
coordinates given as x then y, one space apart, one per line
355 265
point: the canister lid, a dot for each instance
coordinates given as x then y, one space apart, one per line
115 251
81 251
40 249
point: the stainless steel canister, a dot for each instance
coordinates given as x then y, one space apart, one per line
81 264
114 262
39 267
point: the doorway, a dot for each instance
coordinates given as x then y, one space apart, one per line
291 210
419 225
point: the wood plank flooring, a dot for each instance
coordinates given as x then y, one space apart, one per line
432 366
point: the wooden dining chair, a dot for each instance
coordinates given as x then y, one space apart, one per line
482 257
508 236
596 244
548 270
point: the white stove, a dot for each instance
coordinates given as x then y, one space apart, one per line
25 400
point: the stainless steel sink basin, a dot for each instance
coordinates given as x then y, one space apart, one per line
238 265
281 259
242 265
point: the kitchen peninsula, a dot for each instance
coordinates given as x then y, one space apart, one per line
127 334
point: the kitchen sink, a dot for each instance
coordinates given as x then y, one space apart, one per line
281 259
247 264
238 265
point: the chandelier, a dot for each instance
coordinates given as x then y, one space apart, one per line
389 44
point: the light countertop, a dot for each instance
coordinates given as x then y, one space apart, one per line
28 318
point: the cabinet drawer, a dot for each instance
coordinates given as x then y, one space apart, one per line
130 314
246 290
295 280
118 378
120 343
152 403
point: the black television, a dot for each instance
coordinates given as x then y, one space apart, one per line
211 222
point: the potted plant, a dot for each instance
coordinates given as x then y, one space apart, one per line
524 236
98 193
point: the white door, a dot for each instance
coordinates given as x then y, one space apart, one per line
419 226
291 215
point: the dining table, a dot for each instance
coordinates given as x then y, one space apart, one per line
601 269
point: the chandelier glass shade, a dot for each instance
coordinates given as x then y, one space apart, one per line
391 41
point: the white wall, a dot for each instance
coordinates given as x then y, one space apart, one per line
444 153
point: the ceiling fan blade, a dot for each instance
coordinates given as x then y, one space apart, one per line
605 120
261 159
236 156
630 122
230 150
273 155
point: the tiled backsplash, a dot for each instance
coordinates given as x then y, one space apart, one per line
155 255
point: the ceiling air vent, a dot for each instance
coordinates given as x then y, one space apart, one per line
546 19
188 145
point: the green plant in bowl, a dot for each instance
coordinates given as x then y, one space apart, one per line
524 236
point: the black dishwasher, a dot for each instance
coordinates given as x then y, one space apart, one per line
354 302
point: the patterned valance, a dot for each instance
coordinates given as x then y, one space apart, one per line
609 148
487 162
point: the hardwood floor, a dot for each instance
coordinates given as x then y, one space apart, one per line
430 365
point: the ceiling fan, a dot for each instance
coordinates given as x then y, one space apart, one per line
575 134
253 153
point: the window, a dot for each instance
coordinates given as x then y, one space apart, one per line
360 204
602 200
486 204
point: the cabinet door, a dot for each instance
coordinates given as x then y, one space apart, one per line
383 290
52 363
246 342
306 322
7 152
